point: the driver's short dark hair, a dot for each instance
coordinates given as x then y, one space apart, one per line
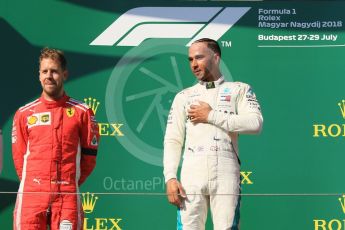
211 44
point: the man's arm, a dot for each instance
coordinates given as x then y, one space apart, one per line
173 142
89 145
19 142
247 120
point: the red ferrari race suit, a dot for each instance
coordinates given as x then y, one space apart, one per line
54 146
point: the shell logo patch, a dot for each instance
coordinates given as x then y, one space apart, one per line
32 120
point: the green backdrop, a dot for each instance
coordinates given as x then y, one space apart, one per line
291 53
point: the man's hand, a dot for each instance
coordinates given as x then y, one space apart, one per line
175 192
199 113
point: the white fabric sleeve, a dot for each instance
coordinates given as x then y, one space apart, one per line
248 118
174 137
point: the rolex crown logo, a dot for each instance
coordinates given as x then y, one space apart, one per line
342 203
89 202
342 108
92 103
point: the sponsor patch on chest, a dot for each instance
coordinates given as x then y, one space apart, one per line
38 119
225 95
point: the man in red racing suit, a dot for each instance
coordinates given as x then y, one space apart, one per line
54 145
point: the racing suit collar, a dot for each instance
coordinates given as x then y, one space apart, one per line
55 103
212 84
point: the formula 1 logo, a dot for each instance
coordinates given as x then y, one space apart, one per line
138 24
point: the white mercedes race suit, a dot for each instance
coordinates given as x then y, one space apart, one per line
211 167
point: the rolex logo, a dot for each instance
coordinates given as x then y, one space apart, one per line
331 223
92 103
342 108
105 129
89 202
331 130
342 203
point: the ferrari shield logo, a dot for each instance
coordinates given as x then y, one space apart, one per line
70 112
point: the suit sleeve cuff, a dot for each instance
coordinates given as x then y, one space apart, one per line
211 117
170 176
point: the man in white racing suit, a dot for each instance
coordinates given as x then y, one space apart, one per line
206 120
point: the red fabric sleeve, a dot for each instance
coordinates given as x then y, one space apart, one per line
19 142
89 145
